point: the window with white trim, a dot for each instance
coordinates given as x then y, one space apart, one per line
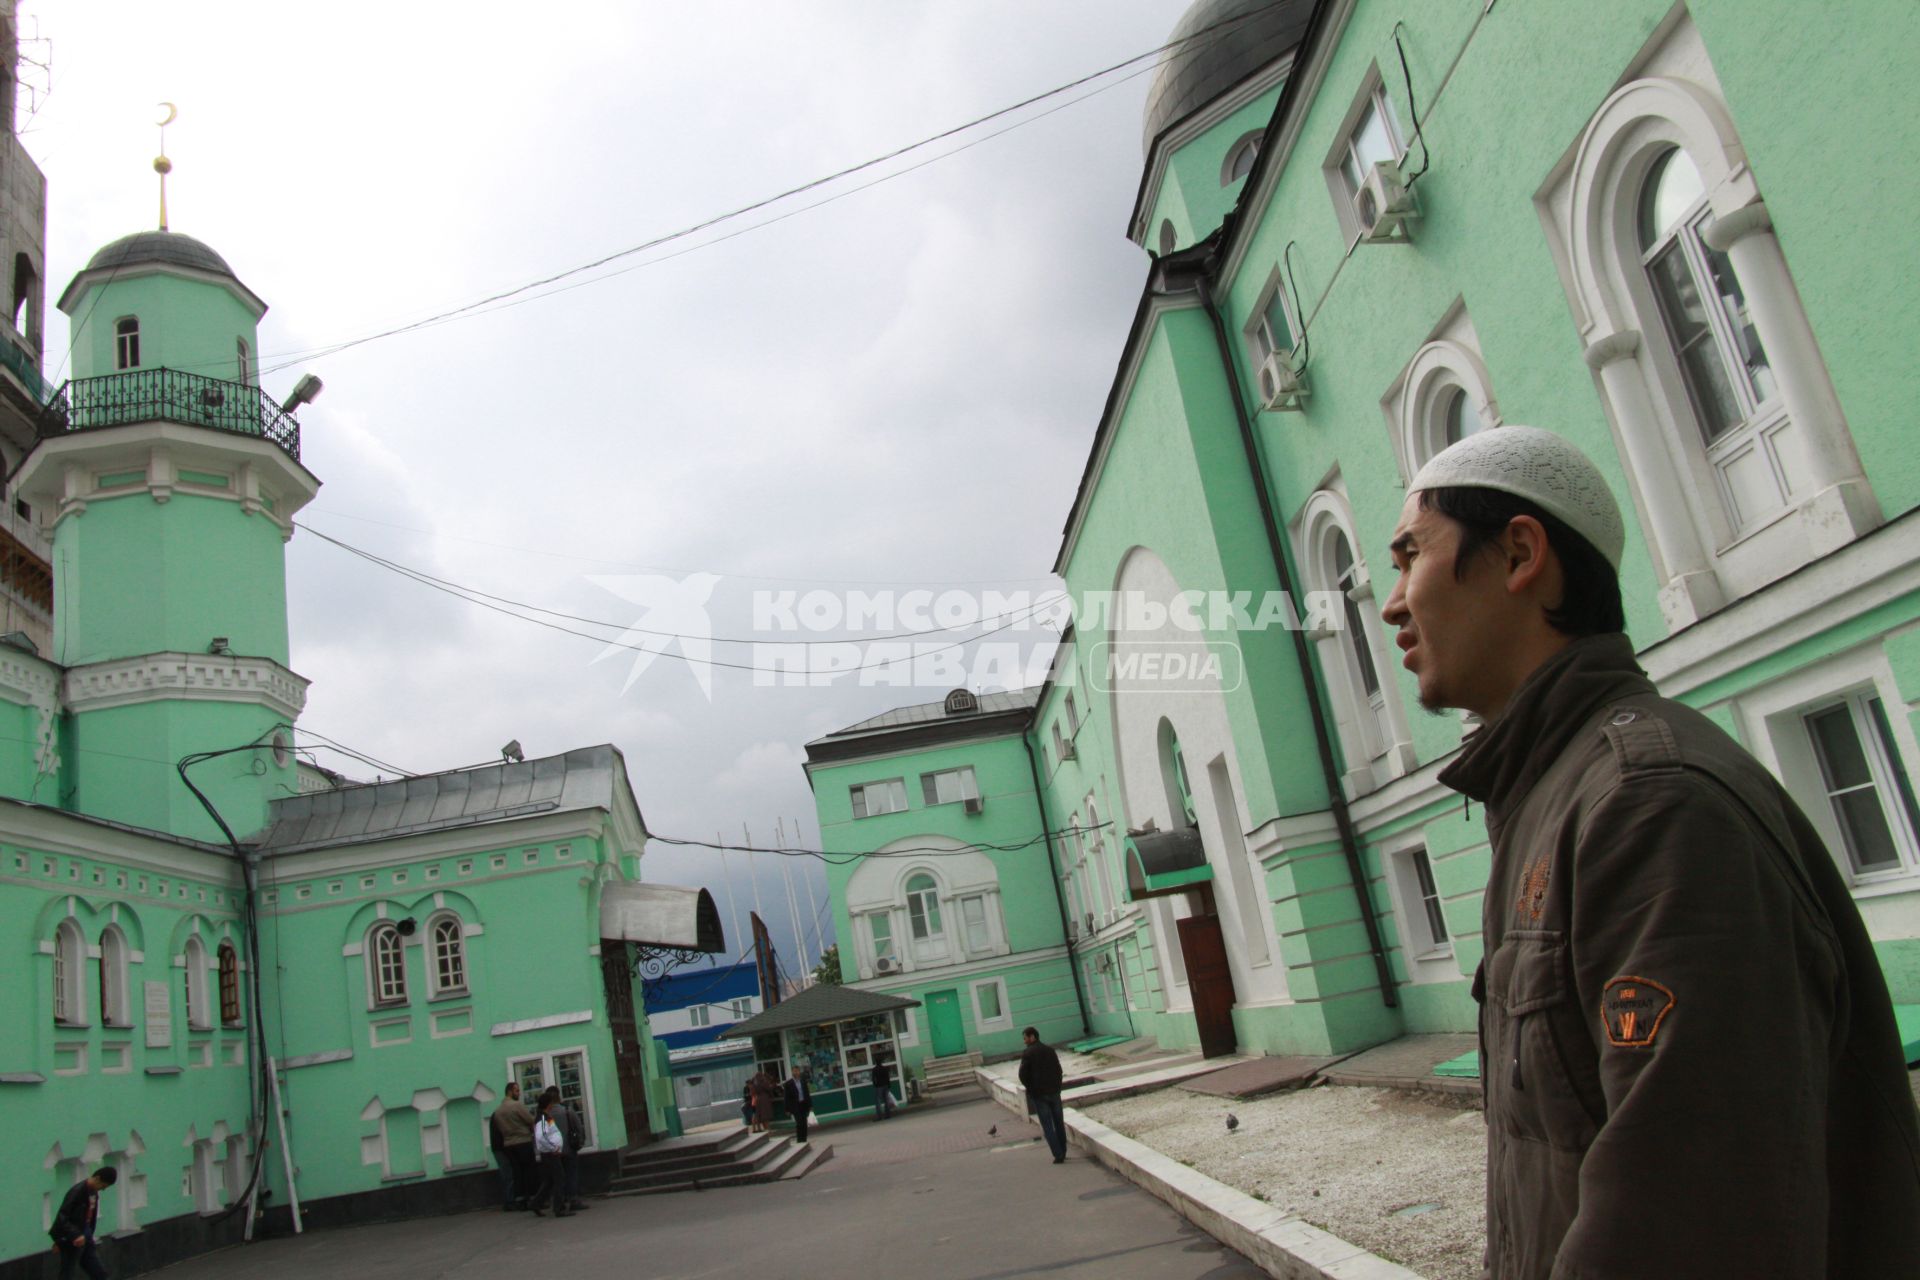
197 1001
923 907
244 358
567 1071
448 939
1059 742
228 966
116 1006
1072 712
1423 926
990 1006
1443 395
1240 157
1169 238
699 1015
1867 787
69 975
880 937
949 786
871 799
1271 335
387 965
973 921
126 342
1369 136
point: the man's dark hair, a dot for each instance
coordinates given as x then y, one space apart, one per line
1031 1031
1590 604
106 1175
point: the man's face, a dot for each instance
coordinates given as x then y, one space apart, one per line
513 1091
1031 1038
1449 629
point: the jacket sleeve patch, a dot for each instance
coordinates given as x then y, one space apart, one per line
1632 1009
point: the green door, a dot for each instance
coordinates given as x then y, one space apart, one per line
943 1016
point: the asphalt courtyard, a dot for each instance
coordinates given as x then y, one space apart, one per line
930 1193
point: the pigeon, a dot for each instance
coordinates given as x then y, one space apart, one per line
1233 1122
993 1130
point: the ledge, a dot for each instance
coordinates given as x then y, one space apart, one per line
541 1024
315 1059
164 1071
22 1077
403 1177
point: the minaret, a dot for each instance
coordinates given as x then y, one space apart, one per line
171 480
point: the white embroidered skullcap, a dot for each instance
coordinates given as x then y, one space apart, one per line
1540 467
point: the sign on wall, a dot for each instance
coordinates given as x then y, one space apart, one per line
159 998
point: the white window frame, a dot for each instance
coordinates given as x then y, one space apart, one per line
549 1076
699 1015
1071 710
981 1022
1373 730
381 993
870 941
930 913
1773 722
116 998
69 975
243 355
891 788
1428 958
437 986
1246 146
1257 334
976 901
966 781
1372 95
1704 557
1415 405
122 348
194 963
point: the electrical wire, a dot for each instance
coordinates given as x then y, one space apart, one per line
477 306
423 575
352 753
1413 110
845 858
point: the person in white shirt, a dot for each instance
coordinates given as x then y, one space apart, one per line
550 1148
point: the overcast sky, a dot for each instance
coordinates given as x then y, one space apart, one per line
894 390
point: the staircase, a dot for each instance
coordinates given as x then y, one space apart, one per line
953 1072
699 1161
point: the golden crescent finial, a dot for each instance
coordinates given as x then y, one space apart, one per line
172 112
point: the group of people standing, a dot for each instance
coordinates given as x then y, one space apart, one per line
757 1098
537 1151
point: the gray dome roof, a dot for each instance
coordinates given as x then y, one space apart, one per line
1202 69
168 247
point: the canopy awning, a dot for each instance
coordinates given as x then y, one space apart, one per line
661 915
824 1002
1164 862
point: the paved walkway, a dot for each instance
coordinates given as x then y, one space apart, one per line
929 1194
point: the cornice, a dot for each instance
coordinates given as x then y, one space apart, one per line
197 677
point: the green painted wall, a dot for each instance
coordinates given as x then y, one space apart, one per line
185 324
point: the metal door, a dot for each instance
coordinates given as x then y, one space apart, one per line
943 1019
629 1056
1211 982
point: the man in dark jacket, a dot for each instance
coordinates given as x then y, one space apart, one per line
799 1099
573 1126
1688 1053
513 1124
72 1228
882 1089
1040 1077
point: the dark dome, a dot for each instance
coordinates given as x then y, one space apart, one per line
1202 69
169 247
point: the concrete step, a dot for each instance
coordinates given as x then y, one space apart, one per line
791 1161
747 1160
745 1152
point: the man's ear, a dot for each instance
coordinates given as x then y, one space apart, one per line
1528 554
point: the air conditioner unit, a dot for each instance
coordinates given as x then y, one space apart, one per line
885 964
973 804
1283 382
1383 206
1090 922
1066 751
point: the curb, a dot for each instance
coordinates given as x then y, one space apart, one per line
1280 1243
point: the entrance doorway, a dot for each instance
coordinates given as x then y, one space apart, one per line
943 1020
629 1061
1210 980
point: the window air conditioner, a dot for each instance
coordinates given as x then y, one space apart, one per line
973 804
1383 206
1283 383
885 964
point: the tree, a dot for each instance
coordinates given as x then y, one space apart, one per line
828 970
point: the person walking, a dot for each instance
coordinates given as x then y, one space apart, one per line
514 1123
1691 1066
573 1127
73 1225
746 1105
799 1099
882 1089
1040 1076
550 1145
763 1091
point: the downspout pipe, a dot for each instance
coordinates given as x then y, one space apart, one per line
1059 898
1322 735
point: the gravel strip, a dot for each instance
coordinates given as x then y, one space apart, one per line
1401 1175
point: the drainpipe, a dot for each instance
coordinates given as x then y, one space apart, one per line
1322 737
1059 899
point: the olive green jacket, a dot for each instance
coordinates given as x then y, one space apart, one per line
1689 1057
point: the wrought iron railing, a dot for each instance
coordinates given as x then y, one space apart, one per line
168 395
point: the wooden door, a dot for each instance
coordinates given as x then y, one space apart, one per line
629 1056
1211 983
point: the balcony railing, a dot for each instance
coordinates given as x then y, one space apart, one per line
167 395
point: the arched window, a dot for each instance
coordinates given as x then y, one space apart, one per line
1737 451
25 287
194 986
449 956
1173 775
1169 238
923 906
1240 158
126 343
116 1010
1443 397
387 964
69 975
245 359
229 985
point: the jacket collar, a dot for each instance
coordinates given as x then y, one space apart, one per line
1499 765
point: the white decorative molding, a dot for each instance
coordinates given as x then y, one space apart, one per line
37 683
202 677
541 1024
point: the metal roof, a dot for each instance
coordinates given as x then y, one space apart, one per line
1207 66
661 915
822 1002
935 712
169 247
589 778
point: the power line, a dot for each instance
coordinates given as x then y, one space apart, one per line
718 219
844 858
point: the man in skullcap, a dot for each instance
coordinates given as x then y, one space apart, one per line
1688 1055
